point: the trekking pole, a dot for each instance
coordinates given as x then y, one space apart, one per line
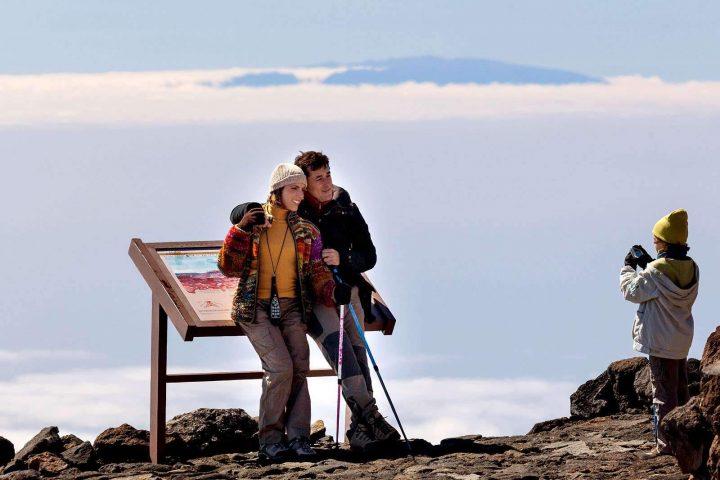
655 423
361 332
377 371
339 378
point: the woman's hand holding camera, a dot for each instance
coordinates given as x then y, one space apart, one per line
253 217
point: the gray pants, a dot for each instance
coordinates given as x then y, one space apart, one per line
670 388
324 329
285 357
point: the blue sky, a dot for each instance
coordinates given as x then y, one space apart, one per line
501 212
675 40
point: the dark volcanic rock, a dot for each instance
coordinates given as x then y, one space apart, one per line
123 444
594 398
21 475
689 435
600 448
70 441
15 465
694 429
81 456
623 388
47 440
549 425
7 451
48 464
208 431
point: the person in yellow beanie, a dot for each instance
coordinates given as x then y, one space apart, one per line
665 290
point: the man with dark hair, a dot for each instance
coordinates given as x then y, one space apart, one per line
350 251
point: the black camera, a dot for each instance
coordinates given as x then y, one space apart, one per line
638 252
239 212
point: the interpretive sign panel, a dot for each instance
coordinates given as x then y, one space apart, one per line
197 296
209 291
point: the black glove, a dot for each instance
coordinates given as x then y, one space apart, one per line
644 258
637 256
630 260
342 293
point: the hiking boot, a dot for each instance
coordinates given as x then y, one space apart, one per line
360 437
273 452
380 429
300 446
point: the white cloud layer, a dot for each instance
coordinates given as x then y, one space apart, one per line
85 402
179 97
20 356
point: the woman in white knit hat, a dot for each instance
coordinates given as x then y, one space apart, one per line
278 258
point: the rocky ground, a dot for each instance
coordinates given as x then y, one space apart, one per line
605 438
599 448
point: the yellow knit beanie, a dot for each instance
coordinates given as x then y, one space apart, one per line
673 228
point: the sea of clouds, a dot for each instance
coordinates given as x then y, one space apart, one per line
85 401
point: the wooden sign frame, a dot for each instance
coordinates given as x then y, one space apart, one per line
170 301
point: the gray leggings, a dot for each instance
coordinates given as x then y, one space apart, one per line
324 329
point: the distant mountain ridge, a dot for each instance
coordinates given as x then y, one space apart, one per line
435 70
453 71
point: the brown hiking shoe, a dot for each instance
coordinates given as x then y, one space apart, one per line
360 437
379 427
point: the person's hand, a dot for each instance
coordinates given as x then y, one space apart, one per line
342 293
630 260
331 257
253 217
645 258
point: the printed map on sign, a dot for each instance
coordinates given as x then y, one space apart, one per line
208 290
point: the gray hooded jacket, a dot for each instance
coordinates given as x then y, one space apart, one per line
663 325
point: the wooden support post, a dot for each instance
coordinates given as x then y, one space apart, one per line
158 381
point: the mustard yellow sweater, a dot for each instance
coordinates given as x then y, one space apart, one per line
285 262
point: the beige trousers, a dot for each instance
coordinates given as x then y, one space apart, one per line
285 357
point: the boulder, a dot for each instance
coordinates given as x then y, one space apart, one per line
317 431
47 463
7 451
70 441
549 425
593 398
623 374
689 436
81 456
123 444
15 465
47 440
624 387
710 388
713 464
21 475
209 431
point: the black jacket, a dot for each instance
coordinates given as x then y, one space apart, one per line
343 228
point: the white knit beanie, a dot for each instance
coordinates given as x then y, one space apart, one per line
286 174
